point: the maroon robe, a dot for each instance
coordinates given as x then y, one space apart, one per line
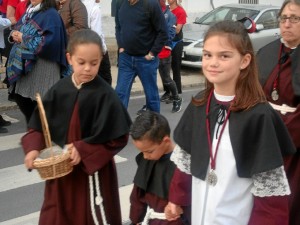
67 199
177 191
289 71
96 122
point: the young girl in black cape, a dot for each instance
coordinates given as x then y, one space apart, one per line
86 115
231 140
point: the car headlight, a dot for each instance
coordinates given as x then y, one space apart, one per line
199 45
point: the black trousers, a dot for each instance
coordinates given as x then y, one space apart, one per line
164 72
26 105
176 65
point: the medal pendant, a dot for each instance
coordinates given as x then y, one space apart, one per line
212 178
275 95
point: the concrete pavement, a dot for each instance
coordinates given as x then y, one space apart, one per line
190 78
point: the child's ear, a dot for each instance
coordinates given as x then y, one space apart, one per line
245 61
69 58
166 139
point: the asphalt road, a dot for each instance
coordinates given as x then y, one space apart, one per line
21 193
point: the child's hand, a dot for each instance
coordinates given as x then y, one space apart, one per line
74 155
172 211
17 36
30 157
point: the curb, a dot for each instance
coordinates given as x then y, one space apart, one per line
13 105
135 91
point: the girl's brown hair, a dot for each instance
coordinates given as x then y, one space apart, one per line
84 36
248 91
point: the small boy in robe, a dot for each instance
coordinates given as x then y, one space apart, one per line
158 197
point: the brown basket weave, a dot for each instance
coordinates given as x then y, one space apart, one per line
53 162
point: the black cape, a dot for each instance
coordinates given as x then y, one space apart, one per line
267 59
98 106
258 136
154 176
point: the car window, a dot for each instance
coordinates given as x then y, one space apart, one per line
237 14
226 13
214 16
268 19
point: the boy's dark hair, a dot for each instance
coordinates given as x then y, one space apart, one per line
84 36
150 125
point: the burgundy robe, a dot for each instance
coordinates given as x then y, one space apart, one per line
289 94
67 199
155 184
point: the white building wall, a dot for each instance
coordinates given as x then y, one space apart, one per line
105 7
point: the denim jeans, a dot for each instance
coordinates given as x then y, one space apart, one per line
164 71
131 66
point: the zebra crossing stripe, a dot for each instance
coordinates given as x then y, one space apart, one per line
33 218
10 141
30 219
18 176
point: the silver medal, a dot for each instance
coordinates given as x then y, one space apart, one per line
275 95
212 178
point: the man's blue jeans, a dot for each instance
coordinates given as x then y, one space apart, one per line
146 70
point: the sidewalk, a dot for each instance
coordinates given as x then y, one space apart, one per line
190 78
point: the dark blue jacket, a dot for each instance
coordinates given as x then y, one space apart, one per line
141 28
171 21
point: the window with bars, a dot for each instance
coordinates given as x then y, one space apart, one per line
248 1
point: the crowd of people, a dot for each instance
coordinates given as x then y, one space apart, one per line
234 158
43 52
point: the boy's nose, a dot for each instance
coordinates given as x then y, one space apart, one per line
146 156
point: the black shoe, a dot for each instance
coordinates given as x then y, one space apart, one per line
3 130
143 109
165 96
11 97
177 105
4 123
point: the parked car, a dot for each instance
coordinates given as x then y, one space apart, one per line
264 16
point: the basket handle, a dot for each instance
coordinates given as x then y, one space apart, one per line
44 122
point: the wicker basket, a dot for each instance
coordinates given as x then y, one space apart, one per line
53 162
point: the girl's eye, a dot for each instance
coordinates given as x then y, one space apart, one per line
206 55
224 56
